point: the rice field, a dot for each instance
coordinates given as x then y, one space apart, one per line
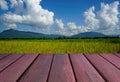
60 46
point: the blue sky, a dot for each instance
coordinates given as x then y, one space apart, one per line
67 17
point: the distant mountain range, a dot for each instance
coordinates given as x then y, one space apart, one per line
23 34
88 35
11 33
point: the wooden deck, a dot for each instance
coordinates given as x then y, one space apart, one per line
60 68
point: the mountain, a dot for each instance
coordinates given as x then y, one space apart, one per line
11 33
88 35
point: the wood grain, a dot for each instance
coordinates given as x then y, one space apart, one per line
84 71
39 70
61 70
106 69
13 72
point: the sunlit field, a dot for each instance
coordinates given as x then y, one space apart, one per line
60 46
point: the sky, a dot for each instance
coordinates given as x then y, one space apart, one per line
65 17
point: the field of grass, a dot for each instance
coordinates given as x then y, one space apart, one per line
60 46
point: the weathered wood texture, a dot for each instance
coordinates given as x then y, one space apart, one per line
13 72
105 68
39 70
8 61
84 71
118 55
112 59
60 68
3 56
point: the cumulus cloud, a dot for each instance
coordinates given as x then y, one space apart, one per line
10 25
90 19
108 15
69 28
18 5
34 14
3 5
14 3
59 23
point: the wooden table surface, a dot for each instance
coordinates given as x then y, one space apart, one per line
60 68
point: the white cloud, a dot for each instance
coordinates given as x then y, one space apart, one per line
70 29
34 14
11 25
3 5
108 15
14 3
59 23
71 26
90 19
18 5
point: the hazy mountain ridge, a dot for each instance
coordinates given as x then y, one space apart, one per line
24 34
89 35
11 33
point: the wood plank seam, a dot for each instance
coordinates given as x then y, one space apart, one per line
72 68
117 55
11 63
50 68
61 69
105 68
4 57
109 62
27 69
95 68
84 71
38 72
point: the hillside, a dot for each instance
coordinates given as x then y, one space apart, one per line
23 34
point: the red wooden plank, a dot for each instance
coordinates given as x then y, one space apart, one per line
112 59
3 56
106 69
61 70
13 72
39 70
8 61
84 71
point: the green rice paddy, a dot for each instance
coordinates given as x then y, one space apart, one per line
60 46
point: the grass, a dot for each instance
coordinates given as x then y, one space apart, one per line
60 46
